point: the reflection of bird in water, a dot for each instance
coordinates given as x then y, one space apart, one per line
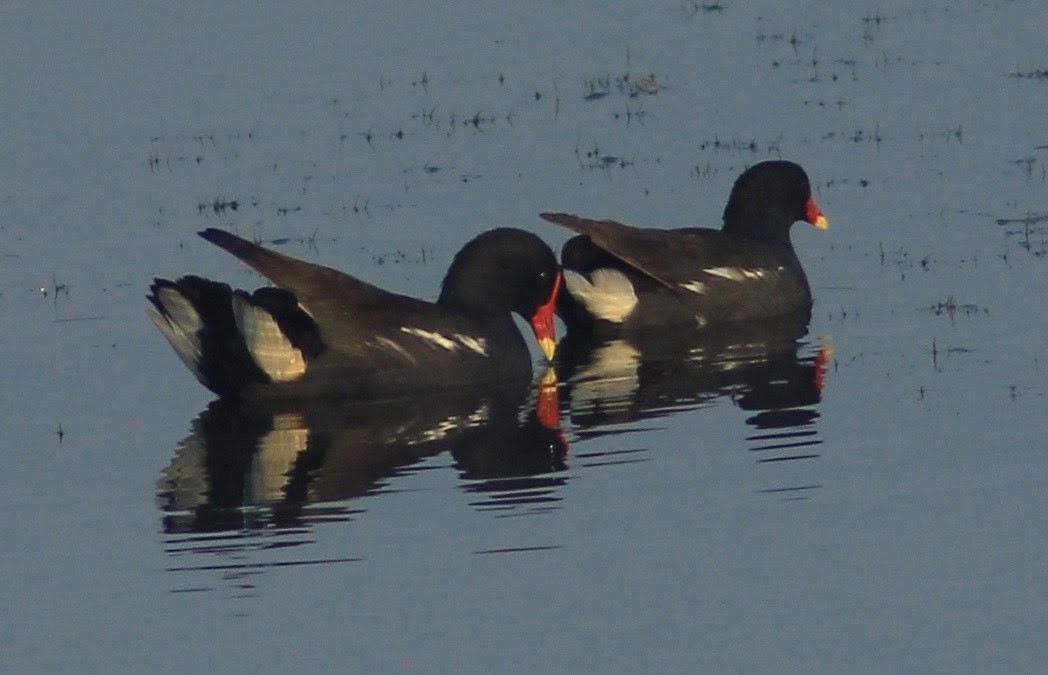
651 374
524 469
274 462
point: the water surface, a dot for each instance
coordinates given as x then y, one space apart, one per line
863 494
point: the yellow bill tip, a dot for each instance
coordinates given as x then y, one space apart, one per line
548 347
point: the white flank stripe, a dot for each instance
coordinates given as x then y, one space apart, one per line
479 345
431 336
307 312
266 343
180 324
736 273
694 287
390 345
609 296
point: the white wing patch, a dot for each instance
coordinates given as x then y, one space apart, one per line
181 325
453 343
609 296
266 343
737 273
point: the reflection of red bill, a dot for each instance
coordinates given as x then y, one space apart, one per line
548 407
822 362
542 321
815 216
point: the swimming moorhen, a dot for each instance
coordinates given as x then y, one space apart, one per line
627 278
321 333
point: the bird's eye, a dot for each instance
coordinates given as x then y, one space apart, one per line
543 275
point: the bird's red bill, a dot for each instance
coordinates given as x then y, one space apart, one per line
542 321
815 216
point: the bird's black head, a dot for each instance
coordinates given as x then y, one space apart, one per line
767 199
506 270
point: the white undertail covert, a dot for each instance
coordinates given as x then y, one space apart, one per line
266 343
608 294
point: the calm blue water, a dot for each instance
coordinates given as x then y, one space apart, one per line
868 497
